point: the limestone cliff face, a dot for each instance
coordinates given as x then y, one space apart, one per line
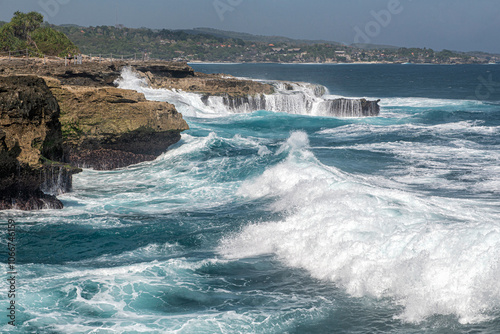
31 146
87 74
107 128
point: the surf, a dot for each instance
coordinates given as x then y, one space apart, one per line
426 254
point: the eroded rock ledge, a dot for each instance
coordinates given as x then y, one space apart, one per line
170 75
107 128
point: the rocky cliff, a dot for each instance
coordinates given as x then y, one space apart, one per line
107 127
31 146
54 117
352 108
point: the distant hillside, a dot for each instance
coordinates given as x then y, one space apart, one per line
256 38
488 56
71 25
280 39
211 45
374 46
197 45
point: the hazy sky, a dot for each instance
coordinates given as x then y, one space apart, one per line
465 25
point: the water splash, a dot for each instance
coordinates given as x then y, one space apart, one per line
429 255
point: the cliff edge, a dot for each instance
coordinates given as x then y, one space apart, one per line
106 128
32 160
54 120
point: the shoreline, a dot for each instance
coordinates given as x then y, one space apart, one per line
53 60
330 64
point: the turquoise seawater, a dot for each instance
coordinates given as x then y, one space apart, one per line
284 223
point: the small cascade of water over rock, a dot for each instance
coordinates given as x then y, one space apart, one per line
350 108
208 96
294 98
215 96
56 179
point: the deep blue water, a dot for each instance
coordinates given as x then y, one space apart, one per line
278 223
380 80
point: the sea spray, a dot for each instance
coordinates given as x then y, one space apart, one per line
423 253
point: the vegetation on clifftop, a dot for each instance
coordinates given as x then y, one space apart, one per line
25 31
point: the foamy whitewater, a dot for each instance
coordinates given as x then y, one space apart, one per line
289 97
285 222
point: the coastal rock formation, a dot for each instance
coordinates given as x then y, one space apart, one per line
93 74
178 70
235 94
106 127
352 108
88 74
53 116
31 146
240 95
294 98
208 84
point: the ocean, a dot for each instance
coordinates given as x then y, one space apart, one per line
284 222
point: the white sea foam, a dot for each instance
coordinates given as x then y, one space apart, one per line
430 255
114 293
189 104
303 98
122 297
429 163
187 175
425 102
475 166
452 128
290 97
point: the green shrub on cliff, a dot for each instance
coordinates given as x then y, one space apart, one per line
17 33
53 43
24 31
8 40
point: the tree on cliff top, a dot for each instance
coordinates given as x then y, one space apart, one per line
24 31
24 24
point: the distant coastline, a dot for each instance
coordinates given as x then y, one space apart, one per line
201 46
194 62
